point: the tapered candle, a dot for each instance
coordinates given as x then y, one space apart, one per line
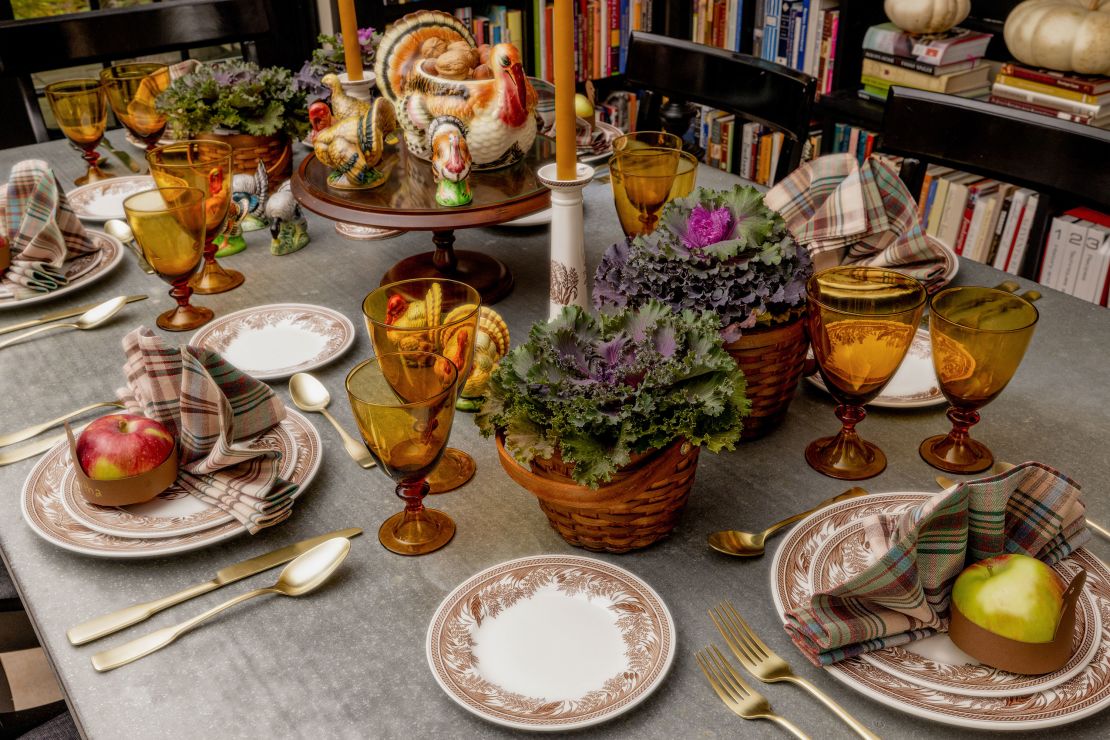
352 52
566 149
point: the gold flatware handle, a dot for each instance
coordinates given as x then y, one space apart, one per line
354 448
839 711
142 646
104 625
33 332
34 429
65 313
39 446
853 492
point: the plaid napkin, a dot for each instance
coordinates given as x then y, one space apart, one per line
853 214
904 595
42 231
215 411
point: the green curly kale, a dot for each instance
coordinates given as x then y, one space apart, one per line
601 389
236 96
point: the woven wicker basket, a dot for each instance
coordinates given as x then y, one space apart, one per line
637 507
772 361
276 151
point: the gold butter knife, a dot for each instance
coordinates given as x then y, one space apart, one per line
65 313
94 629
28 432
39 446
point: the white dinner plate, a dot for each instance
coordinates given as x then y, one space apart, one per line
103 200
551 643
278 340
914 385
793 574
539 218
80 272
44 513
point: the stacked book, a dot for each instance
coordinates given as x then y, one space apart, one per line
854 140
1066 95
980 218
500 25
1077 255
949 62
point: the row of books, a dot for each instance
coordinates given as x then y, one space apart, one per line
949 62
1077 255
499 25
747 149
601 29
854 140
980 218
1073 97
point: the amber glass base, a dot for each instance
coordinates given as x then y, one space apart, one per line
846 456
455 469
93 174
954 455
215 279
416 533
184 318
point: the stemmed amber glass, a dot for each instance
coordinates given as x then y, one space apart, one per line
169 227
404 403
861 322
206 165
644 180
81 110
431 315
979 337
132 90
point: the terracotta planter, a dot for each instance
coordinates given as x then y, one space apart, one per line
772 361
640 505
275 150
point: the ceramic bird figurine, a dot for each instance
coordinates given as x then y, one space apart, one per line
250 191
343 105
353 147
491 344
288 226
495 113
451 162
319 118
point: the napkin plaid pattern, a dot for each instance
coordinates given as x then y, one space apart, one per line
43 232
904 595
215 411
857 214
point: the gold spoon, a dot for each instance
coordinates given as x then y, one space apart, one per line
304 574
120 230
91 319
309 394
750 545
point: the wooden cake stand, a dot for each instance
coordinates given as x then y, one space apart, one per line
406 201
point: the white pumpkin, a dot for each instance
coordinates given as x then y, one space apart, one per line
926 16
1066 35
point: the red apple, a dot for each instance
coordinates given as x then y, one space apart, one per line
1014 596
123 445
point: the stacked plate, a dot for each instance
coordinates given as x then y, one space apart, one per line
173 522
932 678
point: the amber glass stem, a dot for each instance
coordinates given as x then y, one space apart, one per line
413 494
180 291
91 157
962 421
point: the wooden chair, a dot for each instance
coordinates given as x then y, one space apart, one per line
104 36
1065 162
751 88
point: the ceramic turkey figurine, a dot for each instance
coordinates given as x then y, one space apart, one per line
353 146
428 66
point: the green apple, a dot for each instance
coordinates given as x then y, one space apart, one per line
583 108
1014 596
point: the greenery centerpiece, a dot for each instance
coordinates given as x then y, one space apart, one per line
726 252
328 59
608 414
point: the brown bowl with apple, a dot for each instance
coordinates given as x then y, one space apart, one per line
1014 613
123 459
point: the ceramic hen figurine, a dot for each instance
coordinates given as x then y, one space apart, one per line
343 105
491 344
250 191
288 226
496 115
353 147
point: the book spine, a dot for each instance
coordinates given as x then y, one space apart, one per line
1021 240
906 63
725 162
1047 275
785 28
1090 269
625 30
1043 89
1006 245
802 36
965 223
830 67
745 151
1042 109
1046 78
614 37
926 182
999 227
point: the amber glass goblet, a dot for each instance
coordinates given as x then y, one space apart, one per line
132 90
644 180
430 315
81 110
205 165
404 403
169 227
979 337
861 322
646 139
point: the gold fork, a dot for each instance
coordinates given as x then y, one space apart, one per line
763 663
737 695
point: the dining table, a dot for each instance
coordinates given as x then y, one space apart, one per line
348 661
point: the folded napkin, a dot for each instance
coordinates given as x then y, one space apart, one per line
904 595
215 411
42 231
852 214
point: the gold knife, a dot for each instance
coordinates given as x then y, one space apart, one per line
94 629
39 446
65 313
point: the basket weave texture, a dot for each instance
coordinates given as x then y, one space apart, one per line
275 151
640 504
772 360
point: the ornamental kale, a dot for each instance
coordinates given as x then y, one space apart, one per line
328 59
235 96
724 251
600 389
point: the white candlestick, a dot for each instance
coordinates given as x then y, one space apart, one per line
568 248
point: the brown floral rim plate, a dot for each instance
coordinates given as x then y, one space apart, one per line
798 571
44 513
81 271
551 643
103 200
